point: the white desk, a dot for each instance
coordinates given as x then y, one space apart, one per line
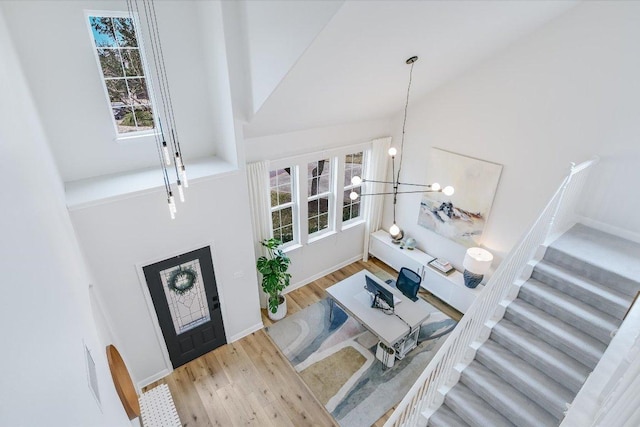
400 330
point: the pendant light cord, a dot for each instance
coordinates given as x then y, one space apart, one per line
404 122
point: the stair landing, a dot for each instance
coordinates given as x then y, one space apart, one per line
601 250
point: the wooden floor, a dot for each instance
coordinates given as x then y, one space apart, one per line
250 382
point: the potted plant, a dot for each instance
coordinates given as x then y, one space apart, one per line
275 278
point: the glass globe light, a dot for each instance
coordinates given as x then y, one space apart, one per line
356 180
353 195
435 186
448 190
392 151
394 230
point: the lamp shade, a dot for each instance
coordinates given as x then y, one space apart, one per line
477 260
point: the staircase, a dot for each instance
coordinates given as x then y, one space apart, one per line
551 337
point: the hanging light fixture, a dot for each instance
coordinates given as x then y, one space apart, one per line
395 231
163 103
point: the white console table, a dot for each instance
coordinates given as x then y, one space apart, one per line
449 288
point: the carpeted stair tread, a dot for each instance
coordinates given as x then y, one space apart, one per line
588 319
533 383
561 335
540 354
504 398
603 297
599 256
472 409
445 417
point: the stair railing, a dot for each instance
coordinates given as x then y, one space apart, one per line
611 394
443 372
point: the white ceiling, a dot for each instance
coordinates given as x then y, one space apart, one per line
355 68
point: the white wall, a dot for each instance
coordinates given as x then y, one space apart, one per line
323 256
45 308
214 55
564 93
54 36
119 236
278 32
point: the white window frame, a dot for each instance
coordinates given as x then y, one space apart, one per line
358 219
122 137
293 204
329 194
300 181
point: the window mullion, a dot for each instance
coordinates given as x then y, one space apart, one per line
303 204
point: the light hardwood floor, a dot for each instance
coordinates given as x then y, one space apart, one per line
250 382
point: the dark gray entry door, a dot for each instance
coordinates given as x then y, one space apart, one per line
185 296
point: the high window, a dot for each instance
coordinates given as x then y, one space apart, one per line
319 195
283 204
126 85
352 167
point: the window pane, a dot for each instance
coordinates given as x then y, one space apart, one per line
313 208
284 192
126 121
351 208
346 213
313 225
284 177
138 91
144 117
132 63
110 62
323 221
117 90
352 167
323 205
275 219
102 30
315 170
287 234
274 197
125 33
286 217
355 210
324 184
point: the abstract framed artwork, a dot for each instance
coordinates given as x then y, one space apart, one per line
462 216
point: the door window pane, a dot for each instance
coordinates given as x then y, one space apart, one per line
188 308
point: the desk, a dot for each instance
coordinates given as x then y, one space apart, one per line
399 331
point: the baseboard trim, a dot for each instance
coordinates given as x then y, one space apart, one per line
323 273
611 229
246 332
153 378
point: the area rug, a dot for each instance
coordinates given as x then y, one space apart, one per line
336 359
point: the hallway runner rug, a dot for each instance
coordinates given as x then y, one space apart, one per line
336 359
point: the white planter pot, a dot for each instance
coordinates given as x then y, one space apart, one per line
282 310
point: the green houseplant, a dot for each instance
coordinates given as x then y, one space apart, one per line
275 278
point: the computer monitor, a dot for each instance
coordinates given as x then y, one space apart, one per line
379 291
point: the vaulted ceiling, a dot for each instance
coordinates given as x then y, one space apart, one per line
354 67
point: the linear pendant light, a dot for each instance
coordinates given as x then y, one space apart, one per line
170 149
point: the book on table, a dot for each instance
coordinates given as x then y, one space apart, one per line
441 265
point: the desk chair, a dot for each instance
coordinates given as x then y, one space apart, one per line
408 282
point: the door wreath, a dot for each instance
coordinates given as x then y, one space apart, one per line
182 280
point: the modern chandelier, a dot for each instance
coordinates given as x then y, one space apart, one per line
395 231
169 131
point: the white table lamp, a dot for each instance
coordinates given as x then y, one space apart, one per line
477 262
